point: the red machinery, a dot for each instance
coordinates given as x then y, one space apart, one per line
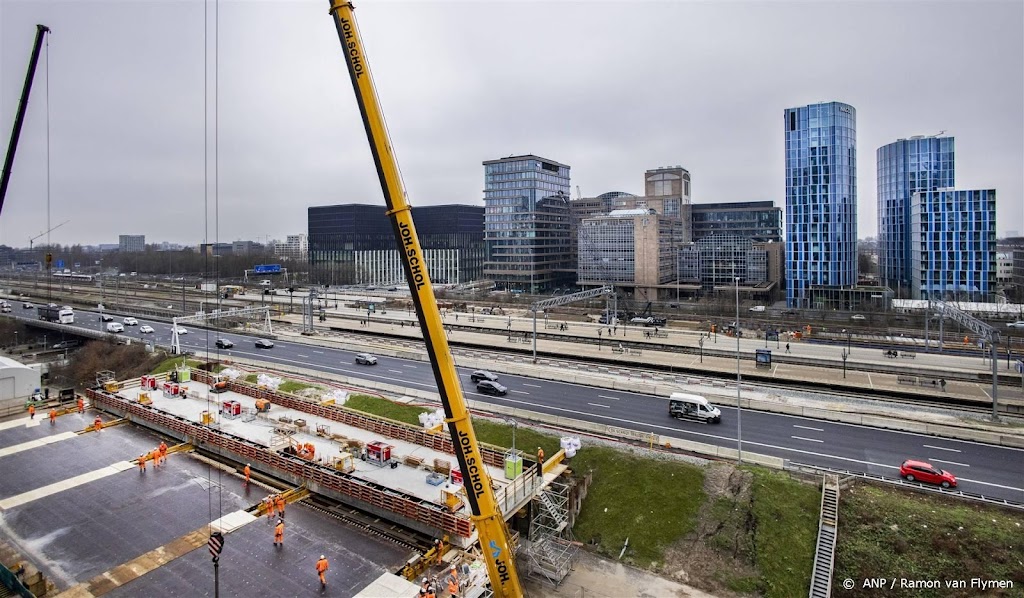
379 453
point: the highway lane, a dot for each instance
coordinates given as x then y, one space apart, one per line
985 469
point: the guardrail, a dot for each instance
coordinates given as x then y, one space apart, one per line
1003 502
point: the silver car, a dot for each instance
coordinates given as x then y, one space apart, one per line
365 359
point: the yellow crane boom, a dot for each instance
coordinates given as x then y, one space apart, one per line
490 525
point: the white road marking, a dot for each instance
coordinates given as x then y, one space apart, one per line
397 371
942 448
304 356
807 439
320 352
607 397
808 428
520 392
532 385
600 405
949 462
413 367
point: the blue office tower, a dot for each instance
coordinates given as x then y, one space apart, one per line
953 245
906 167
821 199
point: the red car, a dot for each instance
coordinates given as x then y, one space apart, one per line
920 471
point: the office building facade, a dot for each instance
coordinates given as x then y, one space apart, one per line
754 220
527 224
131 243
953 245
905 167
634 249
355 244
821 199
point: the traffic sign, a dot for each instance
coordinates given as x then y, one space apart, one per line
60 263
216 544
267 269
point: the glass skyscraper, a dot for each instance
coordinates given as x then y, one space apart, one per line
821 199
904 168
527 224
953 245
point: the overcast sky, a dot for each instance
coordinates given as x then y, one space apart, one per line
609 88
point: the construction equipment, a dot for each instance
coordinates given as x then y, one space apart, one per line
486 516
218 384
262 405
19 118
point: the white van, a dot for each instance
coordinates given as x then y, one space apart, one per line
686 406
265 283
115 327
757 308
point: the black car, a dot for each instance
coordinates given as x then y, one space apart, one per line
479 375
490 387
223 343
264 344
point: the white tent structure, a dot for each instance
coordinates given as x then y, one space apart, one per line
18 382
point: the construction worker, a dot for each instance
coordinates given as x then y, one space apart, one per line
453 582
247 471
540 461
279 533
155 456
97 424
53 416
163 452
31 411
81 405
321 568
142 463
271 508
279 501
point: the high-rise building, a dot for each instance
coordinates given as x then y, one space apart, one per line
131 243
905 167
527 224
754 220
355 244
953 244
821 199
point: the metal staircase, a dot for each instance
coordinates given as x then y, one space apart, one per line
552 548
824 554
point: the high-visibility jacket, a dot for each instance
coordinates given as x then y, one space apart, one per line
321 565
278 532
247 471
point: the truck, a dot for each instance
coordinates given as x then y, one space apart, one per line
207 287
695 407
52 313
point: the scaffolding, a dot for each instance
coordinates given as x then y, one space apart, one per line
553 548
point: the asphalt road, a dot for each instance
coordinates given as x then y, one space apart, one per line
983 469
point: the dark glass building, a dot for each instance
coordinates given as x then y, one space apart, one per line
355 244
904 168
821 199
953 245
754 220
527 224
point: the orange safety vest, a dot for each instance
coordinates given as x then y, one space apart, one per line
321 565
280 504
163 448
279 532
31 409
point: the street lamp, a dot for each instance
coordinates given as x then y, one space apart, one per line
599 339
848 334
739 406
845 355
700 343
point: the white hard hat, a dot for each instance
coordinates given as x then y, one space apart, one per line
322 556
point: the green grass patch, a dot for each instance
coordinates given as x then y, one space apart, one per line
385 408
652 502
888 533
527 440
786 518
173 362
294 386
251 378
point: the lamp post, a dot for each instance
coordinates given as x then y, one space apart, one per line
845 355
739 406
848 335
598 339
700 343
